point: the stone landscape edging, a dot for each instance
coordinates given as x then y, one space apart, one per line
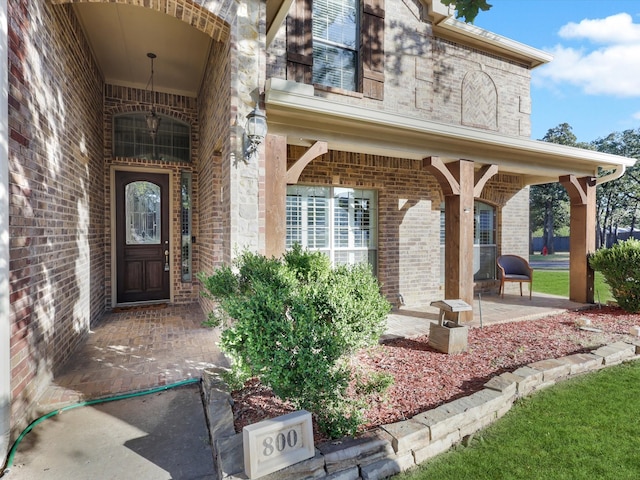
390 449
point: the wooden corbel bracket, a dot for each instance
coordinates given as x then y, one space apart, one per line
482 176
314 151
448 183
577 187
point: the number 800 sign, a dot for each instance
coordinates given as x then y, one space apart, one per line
277 443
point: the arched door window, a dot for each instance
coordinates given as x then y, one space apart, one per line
131 138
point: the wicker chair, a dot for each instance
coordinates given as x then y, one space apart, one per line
514 269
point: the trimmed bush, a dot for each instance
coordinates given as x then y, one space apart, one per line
293 322
620 267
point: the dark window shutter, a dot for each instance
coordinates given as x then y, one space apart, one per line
300 42
372 49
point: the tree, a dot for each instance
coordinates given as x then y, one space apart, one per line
618 200
549 203
468 9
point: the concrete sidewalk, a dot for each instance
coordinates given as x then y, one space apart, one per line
152 437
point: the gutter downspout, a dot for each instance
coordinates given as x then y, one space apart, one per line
618 171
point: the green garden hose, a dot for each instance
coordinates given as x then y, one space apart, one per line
9 462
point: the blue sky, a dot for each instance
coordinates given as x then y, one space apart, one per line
593 83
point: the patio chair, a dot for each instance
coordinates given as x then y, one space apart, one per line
514 269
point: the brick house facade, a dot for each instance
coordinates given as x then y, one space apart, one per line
439 118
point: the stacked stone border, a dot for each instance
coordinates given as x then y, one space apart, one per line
390 449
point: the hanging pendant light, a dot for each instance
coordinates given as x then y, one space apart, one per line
153 120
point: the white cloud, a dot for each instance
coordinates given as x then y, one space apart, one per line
613 69
636 116
611 30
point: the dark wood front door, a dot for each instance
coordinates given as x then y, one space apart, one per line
142 236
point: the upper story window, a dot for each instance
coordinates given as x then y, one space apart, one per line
335 43
131 138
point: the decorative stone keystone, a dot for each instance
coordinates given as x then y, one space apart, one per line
276 443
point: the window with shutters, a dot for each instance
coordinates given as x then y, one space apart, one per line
335 46
337 43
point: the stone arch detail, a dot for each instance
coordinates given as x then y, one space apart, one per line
214 19
479 101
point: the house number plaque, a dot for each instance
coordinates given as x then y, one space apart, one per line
276 443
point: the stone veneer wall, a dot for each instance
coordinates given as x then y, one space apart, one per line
409 200
118 100
391 449
57 194
514 234
435 79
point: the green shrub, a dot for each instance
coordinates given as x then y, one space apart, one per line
620 266
293 322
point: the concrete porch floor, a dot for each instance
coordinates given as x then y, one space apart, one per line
487 310
143 348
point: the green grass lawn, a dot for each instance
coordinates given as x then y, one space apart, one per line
584 428
556 282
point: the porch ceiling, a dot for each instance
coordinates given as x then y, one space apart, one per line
294 111
120 37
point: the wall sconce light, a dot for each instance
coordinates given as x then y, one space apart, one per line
153 120
255 130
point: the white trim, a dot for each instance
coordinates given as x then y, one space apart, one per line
445 25
484 39
294 111
5 326
278 18
114 259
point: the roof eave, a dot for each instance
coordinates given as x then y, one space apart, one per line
295 111
452 29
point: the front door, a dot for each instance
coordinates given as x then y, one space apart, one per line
142 236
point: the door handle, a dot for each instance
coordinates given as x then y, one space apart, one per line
166 256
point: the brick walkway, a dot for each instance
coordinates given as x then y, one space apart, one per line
148 347
134 350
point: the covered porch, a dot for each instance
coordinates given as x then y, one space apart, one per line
464 162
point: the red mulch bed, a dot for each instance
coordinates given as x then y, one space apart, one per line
426 378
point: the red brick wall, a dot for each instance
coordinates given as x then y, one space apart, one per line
56 194
213 204
409 201
117 100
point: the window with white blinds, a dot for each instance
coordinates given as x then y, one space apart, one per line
335 43
484 242
341 222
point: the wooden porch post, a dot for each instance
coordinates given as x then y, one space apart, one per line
582 239
457 182
275 172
